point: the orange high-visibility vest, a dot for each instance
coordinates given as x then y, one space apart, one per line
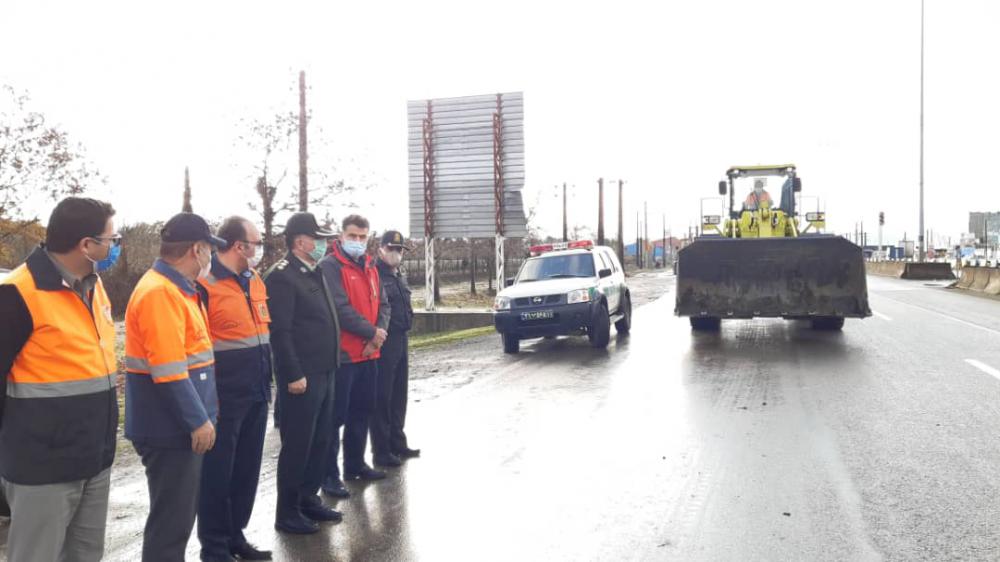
167 346
69 352
237 320
60 416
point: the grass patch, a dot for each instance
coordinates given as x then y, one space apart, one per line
441 338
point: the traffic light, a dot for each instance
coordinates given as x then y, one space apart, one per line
881 218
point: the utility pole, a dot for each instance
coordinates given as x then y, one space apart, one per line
303 175
638 239
600 211
663 249
621 228
922 252
186 205
565 225
645 232
881 223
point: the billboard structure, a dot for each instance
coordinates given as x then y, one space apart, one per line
466 170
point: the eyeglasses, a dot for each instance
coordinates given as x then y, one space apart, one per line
114 239
254 244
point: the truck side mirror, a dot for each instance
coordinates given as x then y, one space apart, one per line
722 188
604 273
508 281
797 185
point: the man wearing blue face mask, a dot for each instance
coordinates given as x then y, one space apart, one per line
58 408
305 337
363 311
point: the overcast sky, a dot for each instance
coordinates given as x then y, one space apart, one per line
666 95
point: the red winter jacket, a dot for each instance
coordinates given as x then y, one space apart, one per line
357 295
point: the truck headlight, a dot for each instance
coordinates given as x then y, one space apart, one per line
501 303
580 295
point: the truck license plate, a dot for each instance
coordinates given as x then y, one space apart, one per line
537 315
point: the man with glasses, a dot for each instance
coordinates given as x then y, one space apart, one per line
238 320
59 409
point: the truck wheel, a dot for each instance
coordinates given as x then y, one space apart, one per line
706 323
625 324
600 327
511 343
828 323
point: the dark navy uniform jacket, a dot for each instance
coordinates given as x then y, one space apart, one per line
305 334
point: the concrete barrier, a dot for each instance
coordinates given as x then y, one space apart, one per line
886 268
928 271
968 275
993 286
425 322
981 278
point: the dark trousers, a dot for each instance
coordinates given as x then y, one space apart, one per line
230 475
173 477
390 399
305 441
354 405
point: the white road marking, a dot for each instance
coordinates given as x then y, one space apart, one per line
943 315
984 368
882 316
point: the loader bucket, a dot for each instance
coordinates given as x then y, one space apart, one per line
810 276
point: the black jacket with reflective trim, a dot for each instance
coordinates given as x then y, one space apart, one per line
57 438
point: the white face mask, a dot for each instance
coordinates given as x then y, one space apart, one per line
391 258
254 260
207 268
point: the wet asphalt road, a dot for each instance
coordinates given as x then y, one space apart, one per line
767 441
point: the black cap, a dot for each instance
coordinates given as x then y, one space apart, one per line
189 227
393 239
305 223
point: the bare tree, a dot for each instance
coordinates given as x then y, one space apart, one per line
37 160
274 157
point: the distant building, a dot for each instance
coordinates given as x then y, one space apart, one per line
985 227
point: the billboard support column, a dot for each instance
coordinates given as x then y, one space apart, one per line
429 273
498 193
429 263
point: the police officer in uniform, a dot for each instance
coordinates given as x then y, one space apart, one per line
305 338
388 439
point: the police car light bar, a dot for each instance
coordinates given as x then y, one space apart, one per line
575 245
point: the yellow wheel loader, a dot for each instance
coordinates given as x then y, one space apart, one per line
763 261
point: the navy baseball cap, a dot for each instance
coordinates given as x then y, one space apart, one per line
393 239
305 223
189 227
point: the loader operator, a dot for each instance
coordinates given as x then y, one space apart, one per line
759 198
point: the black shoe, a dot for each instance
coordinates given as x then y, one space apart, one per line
388 460
321 513
296 524
247 551
408 453
217 558
335 488
365 473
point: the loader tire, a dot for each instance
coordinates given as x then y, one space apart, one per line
706 323
828 323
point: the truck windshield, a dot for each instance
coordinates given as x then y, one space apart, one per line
556 266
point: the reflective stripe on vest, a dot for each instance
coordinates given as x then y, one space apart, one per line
234 321
141 365
71 351
156 297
